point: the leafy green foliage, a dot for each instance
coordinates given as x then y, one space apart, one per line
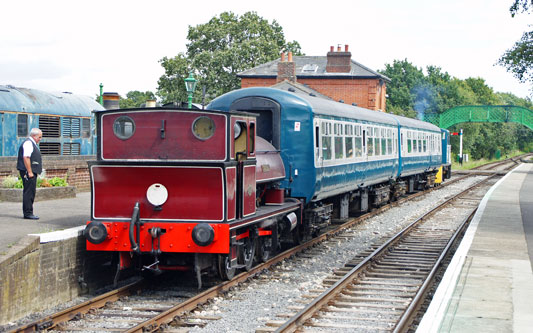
520 5
57 181
135 99
16 182
10 182
218 50
519 59
415 94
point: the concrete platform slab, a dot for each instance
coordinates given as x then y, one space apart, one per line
488 286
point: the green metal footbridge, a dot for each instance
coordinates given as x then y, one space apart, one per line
482 113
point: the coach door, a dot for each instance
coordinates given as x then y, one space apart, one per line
244 154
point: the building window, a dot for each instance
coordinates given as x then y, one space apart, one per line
22 125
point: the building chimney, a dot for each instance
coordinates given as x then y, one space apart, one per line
339 62
286 69
111 100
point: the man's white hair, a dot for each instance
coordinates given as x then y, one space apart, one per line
35 131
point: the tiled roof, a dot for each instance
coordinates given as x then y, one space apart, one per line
311 66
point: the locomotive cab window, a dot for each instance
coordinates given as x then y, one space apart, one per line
203 128
251 145
124 127
241 135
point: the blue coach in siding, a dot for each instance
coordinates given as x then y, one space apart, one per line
64 118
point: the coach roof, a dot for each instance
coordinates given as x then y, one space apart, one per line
37 101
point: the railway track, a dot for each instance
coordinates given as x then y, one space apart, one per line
154 317
383 291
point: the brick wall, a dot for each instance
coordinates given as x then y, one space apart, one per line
35 277
366 93
73 168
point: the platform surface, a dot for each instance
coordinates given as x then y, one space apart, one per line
54 215
488 286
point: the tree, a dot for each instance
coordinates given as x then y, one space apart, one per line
518 60
520 5
135 98
218 50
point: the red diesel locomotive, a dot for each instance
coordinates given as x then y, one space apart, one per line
176 189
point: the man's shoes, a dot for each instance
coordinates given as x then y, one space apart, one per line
31 217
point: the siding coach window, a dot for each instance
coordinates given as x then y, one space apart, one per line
71 149
86 128
22 125
50 126
70 127
49 148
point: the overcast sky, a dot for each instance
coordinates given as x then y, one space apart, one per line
76 45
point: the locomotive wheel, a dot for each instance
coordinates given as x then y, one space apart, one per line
224 270
298 235
248 253
264 249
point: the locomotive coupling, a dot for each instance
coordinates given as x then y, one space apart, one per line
203 234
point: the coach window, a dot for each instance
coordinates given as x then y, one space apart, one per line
419 142
383 141
370 141
389 142
348 140
326 141
22 125
425 142
358 142
339 153
409 142
377 145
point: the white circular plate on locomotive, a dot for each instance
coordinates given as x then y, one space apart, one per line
157 194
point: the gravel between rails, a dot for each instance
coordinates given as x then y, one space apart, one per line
271 293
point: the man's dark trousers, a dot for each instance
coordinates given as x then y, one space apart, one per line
28 195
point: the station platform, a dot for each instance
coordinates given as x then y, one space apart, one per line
54 215
488 286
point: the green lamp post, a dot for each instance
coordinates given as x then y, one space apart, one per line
190 85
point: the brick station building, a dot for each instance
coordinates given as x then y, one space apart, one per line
335 75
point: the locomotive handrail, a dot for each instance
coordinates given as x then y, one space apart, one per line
134 219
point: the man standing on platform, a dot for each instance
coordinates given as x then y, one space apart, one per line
30 165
